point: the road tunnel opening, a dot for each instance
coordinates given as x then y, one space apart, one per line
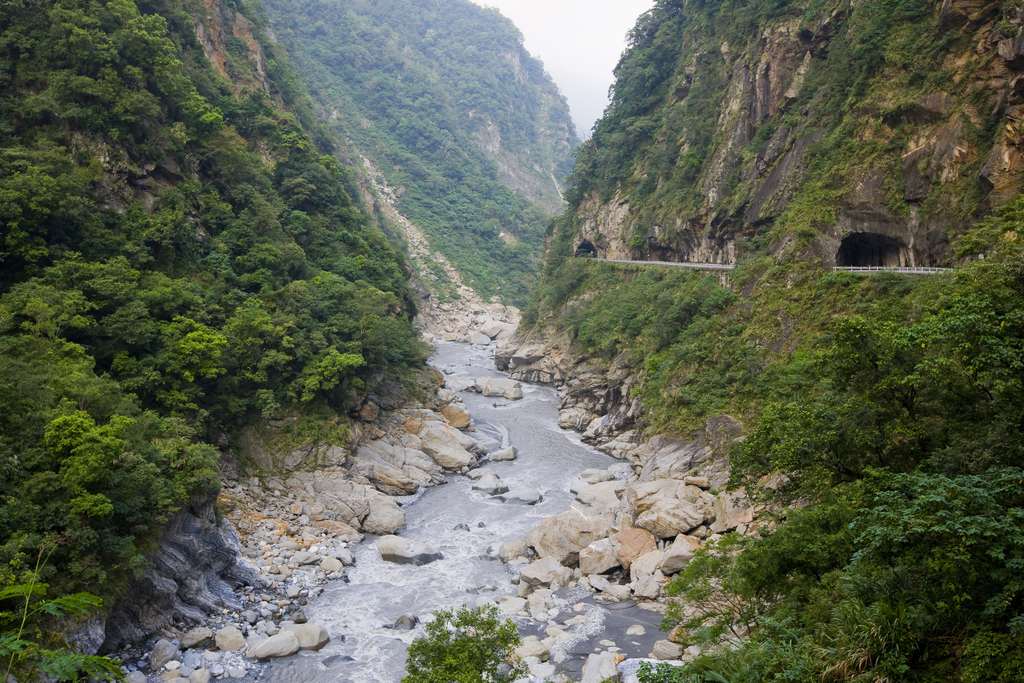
869 249
586 249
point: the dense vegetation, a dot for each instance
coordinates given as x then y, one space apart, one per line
423 89
179 255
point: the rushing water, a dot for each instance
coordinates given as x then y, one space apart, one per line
380 592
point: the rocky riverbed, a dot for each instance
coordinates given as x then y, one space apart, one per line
476 497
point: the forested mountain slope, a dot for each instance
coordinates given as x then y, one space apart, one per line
444 100
881 414
180 255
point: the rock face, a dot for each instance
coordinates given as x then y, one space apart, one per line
191 575
406 551
563 536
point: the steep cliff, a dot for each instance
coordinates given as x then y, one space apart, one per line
868 130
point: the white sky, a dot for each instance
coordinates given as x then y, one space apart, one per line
580 42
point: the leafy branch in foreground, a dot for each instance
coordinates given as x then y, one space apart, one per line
32 643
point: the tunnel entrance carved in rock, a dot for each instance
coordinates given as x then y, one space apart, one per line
869 249
586 249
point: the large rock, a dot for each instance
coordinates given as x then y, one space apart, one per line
532 646
164 651
385 516
505 454
731 509
500 388
443 446
284 644
479 339
310 636
604 495
511 549
457 418
668 507
601 667
491 328
679 554
490 484
332 565
200 637
646 564
666 650
229 639
567 533
522 497
544 572
406 551
598 557
630 544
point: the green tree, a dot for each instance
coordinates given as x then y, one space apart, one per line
465 646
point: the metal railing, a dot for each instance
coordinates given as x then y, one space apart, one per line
672 264
909 270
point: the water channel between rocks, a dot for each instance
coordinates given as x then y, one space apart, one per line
379 592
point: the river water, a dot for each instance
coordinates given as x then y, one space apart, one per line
379 592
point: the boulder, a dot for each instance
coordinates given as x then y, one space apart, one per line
510 604
532 647
511 549
490 484
406 551
540 602
164 651
199 637
648 586
601 667
479 339
598 557
575 418
504 454
491 328
544 572
135 677
593 476
443 446
603 495
478 473
646 564
229 639
406 622
613 592
199 676
666 649
731 509
679 554
500 388
522 497
284 644
668 507
385 515
457 418
310 636
331 565
567 533
630 544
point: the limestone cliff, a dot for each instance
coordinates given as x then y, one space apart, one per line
871 136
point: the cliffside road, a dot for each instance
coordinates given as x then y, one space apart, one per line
726 266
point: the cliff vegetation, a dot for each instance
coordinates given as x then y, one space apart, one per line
444 100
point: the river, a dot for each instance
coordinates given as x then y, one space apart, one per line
379 592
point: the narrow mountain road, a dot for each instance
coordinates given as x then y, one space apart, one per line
726 266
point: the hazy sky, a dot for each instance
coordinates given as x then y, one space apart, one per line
579 41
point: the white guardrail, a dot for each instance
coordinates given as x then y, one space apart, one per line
725 266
